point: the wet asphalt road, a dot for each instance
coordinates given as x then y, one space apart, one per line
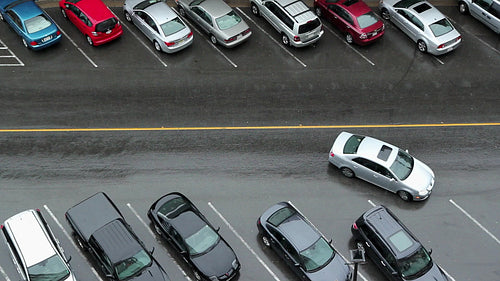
234 175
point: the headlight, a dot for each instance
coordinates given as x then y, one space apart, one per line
422 192
235 264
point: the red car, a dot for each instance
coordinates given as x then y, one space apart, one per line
93 18
353 17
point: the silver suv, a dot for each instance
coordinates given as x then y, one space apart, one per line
487 11
293 19
35 251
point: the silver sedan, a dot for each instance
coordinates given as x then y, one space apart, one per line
216 18
423 23
159 23
382 164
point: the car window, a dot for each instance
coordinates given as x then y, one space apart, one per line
202 14
309 26
485 4
411 18
405 3
37 23
173 26
144 4
317 255
15 18
228 20
176 237
345 15
441 27
366 163
367 19
352 144
79 14
52 268
111 22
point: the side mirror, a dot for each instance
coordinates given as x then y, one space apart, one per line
217 229
152 250
430 252
297 264
68 259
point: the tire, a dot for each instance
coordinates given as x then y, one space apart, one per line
25 44
463 8
422 47
213 39
266 241
285 40
385 14
182 12
255 9
347 172
63 12
157 46
405 196
127 17
348 38
89 40
317 10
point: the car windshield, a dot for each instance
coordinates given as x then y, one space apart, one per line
228 20
203 240
441 27
131 266
317 255
37 23
144 4
352 144
172 26
403 165
52 269
367 19
415 265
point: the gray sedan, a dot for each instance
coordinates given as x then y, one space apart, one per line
423 23
159 23
216 18
382 164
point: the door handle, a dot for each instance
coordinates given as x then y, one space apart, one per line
367 244
382 262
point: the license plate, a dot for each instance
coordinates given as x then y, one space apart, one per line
45 39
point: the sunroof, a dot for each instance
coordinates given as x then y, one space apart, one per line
422 8
401 241
384 153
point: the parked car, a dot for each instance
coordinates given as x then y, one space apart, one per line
393 248
35 250
93 18
423 23
100 229
382 164
159 23
35 27
223 25
353 18
191 235
300 244
293 19
486 11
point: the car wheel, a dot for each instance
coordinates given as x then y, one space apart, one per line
157 46
317 10
404 195
285 40
255 10
182 12
63 12
213 39
25 44
422 47
462 8
266 241
347 172
385 14
89 40
128 17
348 38
197 275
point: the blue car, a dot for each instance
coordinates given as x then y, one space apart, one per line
36 28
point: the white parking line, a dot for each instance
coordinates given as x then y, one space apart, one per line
477 38
475 221
348 45
371 203
154 236
277 43
244 242
144 44
76 46
4 274
70 239
12 55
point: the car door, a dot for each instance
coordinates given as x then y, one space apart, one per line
202 18
269 12
410 24
145 23
101 258
78 18
15 22
288 253
375 249
340 17
487 12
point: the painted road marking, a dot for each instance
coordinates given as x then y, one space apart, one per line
4 274
243 241
349 45
76 46
12 55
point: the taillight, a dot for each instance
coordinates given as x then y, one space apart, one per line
296 38
363 36
440 46
58 33
169 44
354 226
190 34
458 38
331 154
1 226
245 32
33 43
230 39
258 221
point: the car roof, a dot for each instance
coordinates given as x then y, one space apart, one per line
30 237
117 241
26 9
161 12
96 10
370 148
216 8
187 223
391 230
355 7
297 9
426 12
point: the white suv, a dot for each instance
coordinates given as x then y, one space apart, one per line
35 251
293 19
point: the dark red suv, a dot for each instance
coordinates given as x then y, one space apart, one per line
353 18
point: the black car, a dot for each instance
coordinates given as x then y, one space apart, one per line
393 248
100 229
194 238
304 249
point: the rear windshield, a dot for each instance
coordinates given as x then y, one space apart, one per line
441 27
352 144
106 25
228 20
310 25
144 4
37 23
172 26
281 215
367 20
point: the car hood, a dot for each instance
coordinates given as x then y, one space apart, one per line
420 177
217 261
152 273
335 270
434 274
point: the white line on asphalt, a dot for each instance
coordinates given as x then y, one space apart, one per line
154 236
477 38
447 274
348 45
4 274
70 239
440 61
277 43
244 242
475 221
346 261
146 46
76 46
371 203
12 56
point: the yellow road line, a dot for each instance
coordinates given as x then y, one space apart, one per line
247 128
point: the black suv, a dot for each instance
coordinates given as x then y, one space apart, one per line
101 230
393 248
